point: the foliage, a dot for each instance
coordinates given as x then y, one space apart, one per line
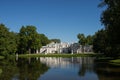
85 40
8 43
111 19
30 40
26 41
88 40
99 42
82 39
1 57
44 40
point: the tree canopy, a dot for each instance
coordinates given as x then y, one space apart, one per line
111 20
88 40
28 40
8 44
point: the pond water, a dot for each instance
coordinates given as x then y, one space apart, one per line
51 68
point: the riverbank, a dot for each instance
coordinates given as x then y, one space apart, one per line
1 57
58 55
0 71
116 61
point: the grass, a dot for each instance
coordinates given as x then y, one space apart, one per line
57 55
116 61
1 57
0 71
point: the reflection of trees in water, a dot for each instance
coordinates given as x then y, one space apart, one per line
86 65
107 71
22 69
9 69
31 70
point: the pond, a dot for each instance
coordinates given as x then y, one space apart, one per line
51 68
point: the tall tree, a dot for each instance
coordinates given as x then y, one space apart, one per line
89 40
82 40
44 39
29 39
100 42
7 41
22 47
111 19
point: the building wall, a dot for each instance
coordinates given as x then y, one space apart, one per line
64 48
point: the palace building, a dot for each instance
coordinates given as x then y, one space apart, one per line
65 48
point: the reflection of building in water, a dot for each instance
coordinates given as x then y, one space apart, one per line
66 62
64 48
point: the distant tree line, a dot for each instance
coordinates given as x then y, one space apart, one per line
27 40
107 40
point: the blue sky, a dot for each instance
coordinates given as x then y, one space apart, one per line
62 19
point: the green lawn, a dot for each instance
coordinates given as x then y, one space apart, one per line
56 55
1 57
0 71
116 61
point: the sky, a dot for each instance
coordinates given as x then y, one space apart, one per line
61 19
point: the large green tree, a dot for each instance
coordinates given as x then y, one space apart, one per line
44 39
111 19
100 42
82 39
29 39
88 40
8 43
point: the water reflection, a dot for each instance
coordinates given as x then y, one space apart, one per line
76 68
9 69
51 68
23 69
30 69
66 62
107 71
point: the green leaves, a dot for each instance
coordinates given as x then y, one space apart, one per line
30 40
27 40
111 19
85 40
8 43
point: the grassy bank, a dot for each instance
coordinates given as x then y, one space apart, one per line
0 71
56 55
116 61
1 57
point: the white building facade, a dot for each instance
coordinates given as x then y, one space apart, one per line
64 48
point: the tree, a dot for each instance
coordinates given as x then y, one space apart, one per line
29 39
22 46
99 42
89 40
82 40
44 40
7 41
111 20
